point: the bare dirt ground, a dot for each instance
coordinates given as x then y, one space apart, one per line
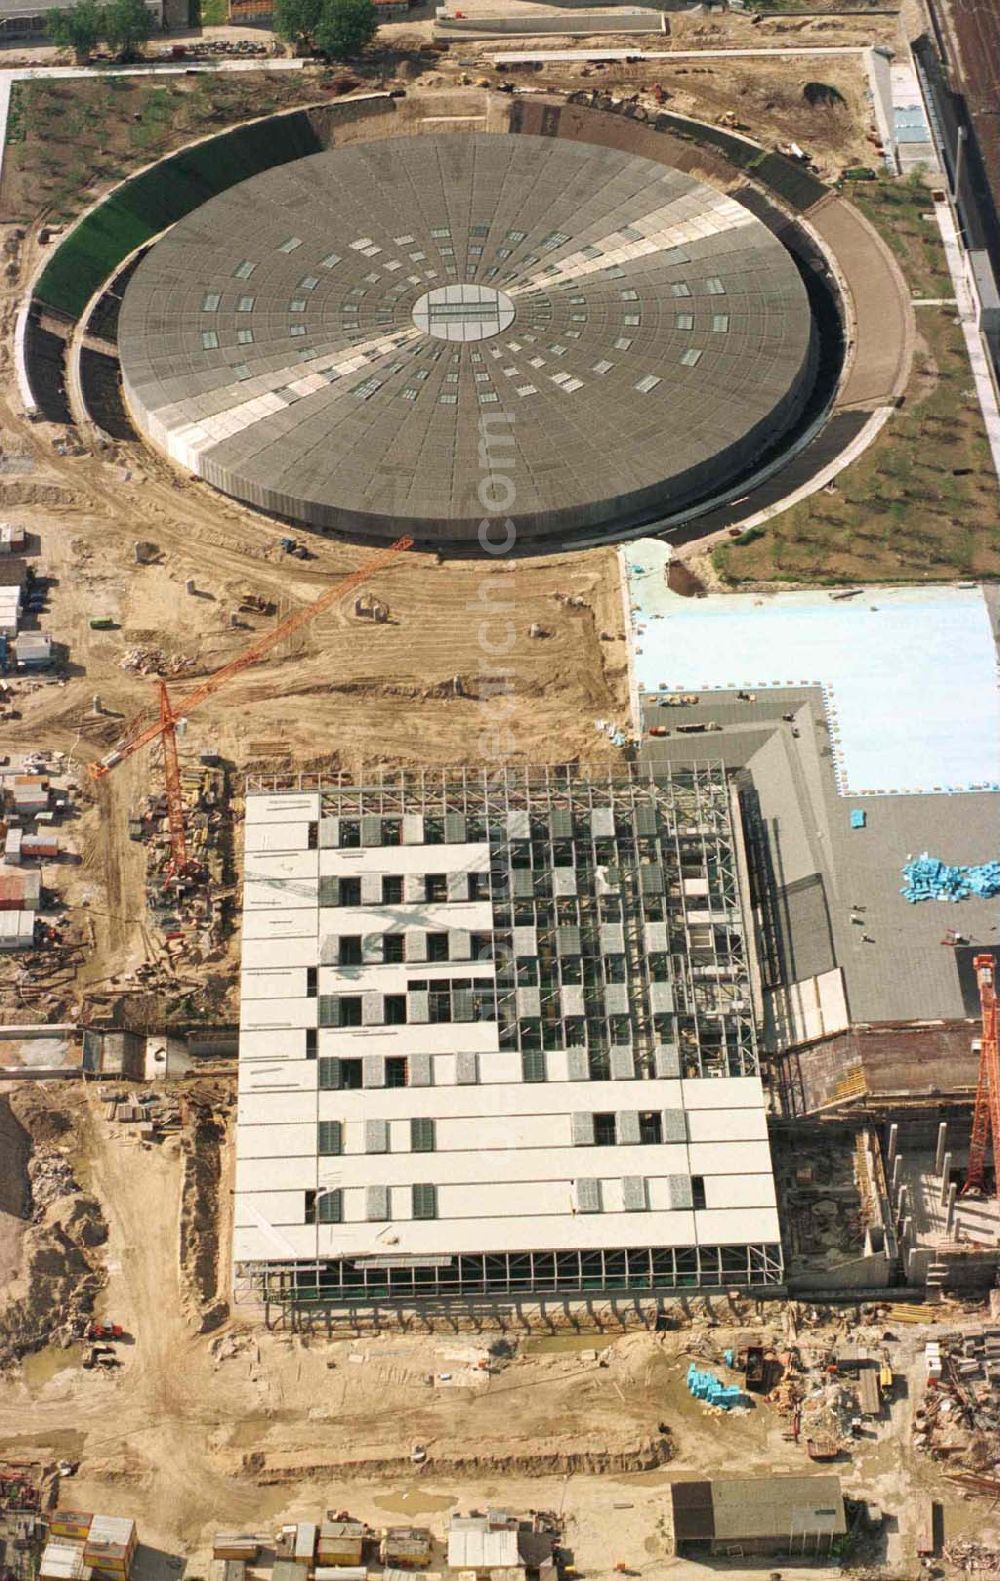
344 691
239 1427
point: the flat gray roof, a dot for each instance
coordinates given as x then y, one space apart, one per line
637 337
820 868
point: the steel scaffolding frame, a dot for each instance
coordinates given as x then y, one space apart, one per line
650 1270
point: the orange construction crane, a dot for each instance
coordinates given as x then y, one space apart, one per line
165 727
986 1116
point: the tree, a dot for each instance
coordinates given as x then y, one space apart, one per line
345 27
296 21
127 26
77 28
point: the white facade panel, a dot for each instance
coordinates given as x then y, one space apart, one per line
468 858
272 954
730 1092
266 1045
736 1125
277 837
737 1226
286 807
277 1014
280 866
287 983
276 1141
279 894
730 1158
286 1076
283 923
297 1173
261 1109
725 1192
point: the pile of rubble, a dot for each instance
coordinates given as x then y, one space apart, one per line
966 1555
958 1420
51 1178
153 661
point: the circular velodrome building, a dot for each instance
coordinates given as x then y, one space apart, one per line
408 335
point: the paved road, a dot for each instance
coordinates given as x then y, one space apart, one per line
551 56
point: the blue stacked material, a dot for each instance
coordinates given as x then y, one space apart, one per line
928 878
859 818
706 1386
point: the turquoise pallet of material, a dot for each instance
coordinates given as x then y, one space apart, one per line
706 1386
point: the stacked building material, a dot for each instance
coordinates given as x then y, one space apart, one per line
928 878
706 1386
340 1543
62 1560
110 1547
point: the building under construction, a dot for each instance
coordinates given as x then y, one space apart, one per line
497 1038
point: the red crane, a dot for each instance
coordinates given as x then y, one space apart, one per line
986 1115
165 727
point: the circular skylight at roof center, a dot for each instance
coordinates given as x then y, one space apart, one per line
463 312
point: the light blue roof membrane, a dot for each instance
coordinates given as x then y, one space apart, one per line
909 675
910 124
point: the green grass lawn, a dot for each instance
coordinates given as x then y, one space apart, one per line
897 210
920 505
923 502
68 140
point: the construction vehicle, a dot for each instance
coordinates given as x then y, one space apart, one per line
986 1115
165 727
104 1331
256 604
99 1356
293 547
756 1369
101 623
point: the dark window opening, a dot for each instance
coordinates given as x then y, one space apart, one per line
394 1006
349 950
533 1065
437 946
351 1075
424 1202
396 1071
392 889
605 1134
698 1191
350 891
651 1127
422 1137
350 833
350 1010
435 886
